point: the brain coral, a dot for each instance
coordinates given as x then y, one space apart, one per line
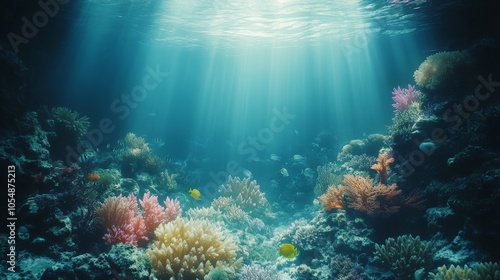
191 249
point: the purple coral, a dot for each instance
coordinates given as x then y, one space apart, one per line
404 97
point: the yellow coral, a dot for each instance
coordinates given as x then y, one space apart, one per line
437 69
190 249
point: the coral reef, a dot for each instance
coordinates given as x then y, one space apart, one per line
255 272
404 255
438 70
169 180
404 97
28 149
361 195
124 224
333 198
189 249
136 156
481 271
343 268
123 261
69 122
326 177
404 121
247 196
370 146
382 167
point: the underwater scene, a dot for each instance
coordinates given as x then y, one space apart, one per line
250 139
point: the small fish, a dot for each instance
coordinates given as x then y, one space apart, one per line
274 157
298 157
195 194
93 177
308 172
87 157
289 251
247 173
158 142
152 114
284 172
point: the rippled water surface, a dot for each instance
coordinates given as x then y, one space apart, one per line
263 22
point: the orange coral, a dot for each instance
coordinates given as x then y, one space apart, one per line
363 196
333 198
382 166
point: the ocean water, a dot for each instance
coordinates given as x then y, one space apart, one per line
259 107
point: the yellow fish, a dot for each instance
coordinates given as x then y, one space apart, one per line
287 250
195 194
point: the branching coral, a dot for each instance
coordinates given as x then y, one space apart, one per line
404 255
125 224
363 196
247 195
382 167
207 213
169 180
481 271
257 272
120 217
404 97
191 249
117 210
438 69
333 198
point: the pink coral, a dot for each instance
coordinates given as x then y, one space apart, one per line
154 213
120 234
117 210
124 223
173 209
404 97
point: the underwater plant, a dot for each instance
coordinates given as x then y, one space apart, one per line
71 122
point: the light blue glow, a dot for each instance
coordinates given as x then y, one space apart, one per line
232 64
